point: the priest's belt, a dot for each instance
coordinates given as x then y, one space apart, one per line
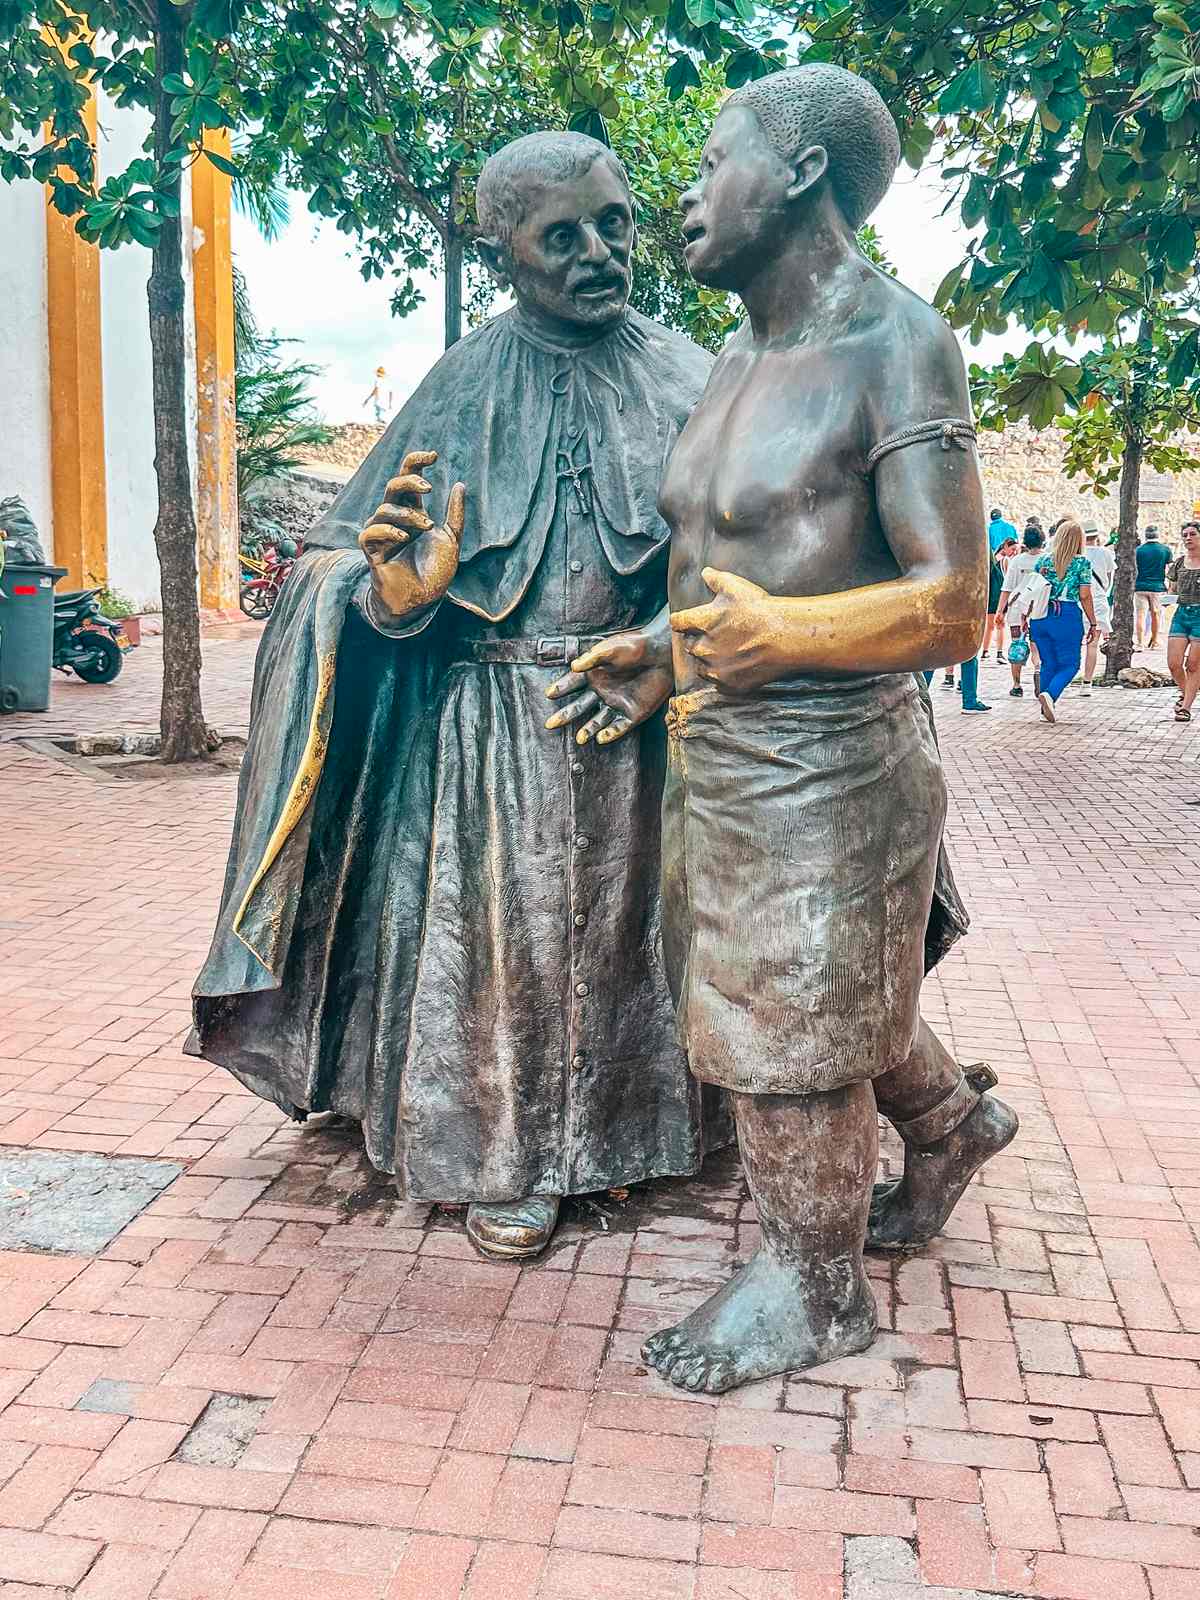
554 650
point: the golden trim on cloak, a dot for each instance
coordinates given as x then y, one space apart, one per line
303 787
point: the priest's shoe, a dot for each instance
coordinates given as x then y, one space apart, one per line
513 1229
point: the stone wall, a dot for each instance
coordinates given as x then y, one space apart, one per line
1022 473
351 443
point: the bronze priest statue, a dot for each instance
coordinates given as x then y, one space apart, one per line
441 916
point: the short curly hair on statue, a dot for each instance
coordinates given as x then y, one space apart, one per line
841 112
535 157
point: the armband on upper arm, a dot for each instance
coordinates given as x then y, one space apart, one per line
948 430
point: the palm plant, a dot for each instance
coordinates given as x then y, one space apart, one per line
246 337
257 191
275 418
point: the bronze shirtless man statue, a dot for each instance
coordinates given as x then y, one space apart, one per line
827 544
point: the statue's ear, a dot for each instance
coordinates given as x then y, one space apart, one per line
808 166
495 257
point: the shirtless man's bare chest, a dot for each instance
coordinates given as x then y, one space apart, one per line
777 480
769 476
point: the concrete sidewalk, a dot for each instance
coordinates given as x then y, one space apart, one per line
279 1381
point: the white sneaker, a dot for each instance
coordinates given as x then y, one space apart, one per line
1085 690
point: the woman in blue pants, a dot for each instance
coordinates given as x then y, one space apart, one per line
1059 634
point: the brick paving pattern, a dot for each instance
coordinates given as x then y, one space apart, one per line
280 1381
131 704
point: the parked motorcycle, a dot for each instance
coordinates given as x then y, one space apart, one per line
268 575
86 643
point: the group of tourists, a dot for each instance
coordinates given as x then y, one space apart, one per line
1053 592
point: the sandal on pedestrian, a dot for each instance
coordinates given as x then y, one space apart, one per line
1182 714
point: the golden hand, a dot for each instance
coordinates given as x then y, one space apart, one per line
738 638
412 562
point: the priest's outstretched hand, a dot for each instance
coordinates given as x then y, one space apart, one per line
616 685
412 562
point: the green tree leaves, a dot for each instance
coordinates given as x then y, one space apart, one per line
1040 385
1178 244
1174 71
972 89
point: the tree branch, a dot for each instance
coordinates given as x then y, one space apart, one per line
415 197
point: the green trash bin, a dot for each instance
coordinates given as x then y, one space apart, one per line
26 635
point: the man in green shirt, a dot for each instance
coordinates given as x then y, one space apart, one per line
1150 584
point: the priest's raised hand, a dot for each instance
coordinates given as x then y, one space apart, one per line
412 561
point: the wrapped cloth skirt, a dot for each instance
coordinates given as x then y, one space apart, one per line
805 894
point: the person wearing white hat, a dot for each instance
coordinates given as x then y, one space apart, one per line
380 397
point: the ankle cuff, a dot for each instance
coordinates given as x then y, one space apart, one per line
932 1126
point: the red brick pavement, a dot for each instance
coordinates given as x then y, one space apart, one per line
132 702
433 1425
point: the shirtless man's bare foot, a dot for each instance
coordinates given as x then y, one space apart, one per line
762 1323
913 1209
803 1298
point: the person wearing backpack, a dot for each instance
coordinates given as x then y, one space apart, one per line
1058 606
1011 602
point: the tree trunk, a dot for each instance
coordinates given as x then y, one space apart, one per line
452 260
1120 643
184 735
453 257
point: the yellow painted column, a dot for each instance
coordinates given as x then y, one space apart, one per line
216 439
78 484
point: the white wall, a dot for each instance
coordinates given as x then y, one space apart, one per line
25 353
128 392
125 341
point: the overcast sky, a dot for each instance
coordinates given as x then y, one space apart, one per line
307 287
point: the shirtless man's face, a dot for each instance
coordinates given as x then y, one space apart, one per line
569 256
734 210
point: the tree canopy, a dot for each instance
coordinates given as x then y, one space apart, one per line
381 111
1070 130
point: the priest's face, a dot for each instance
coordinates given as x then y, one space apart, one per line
735 214
569 256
